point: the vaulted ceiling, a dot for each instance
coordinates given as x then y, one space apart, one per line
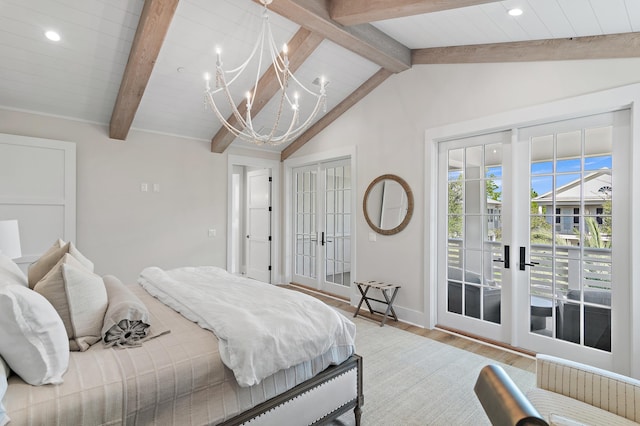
135 64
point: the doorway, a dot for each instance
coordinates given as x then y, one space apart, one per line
528 253
252 236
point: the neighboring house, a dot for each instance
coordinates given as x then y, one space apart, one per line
567 214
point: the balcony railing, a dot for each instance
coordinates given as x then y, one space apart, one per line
566 267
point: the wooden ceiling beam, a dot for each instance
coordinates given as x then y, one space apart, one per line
364 40
336 112
354 12
301 46
154 23
626 45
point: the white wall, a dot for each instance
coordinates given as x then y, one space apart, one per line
388 129
123 229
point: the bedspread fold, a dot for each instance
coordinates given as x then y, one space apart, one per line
260 328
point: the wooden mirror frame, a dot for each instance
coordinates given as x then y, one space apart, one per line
407 217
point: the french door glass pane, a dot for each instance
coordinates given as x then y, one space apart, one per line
337 225
474 231
305 226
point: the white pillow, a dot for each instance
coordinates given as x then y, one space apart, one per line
79 297
49 259
10 272
4 373
33 341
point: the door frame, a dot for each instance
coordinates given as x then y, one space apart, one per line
274 166
289 165
579 106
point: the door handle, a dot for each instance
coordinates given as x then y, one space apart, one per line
505 260
325 241
523 263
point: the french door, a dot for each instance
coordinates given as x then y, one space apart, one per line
322 226
474 234
530 253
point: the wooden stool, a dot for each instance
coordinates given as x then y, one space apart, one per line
364 287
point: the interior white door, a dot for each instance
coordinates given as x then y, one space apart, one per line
335 238
322 224
258 247
305 222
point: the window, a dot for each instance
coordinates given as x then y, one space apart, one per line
576 215
599 211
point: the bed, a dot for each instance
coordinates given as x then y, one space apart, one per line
178 377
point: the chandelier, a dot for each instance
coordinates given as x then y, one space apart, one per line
287 115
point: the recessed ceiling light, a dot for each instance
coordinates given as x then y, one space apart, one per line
52 35
515 12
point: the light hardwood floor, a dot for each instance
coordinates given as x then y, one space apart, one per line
523 362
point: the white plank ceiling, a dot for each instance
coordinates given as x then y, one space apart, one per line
490 22
79 76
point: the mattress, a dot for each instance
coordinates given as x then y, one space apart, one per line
176 378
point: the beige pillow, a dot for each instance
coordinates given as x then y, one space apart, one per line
79 297
48 260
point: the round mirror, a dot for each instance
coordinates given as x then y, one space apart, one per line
388 204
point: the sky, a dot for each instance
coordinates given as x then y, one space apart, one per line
542 172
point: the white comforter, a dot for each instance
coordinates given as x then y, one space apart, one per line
261 328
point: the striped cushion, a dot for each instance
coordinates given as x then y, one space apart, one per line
609 391
548 403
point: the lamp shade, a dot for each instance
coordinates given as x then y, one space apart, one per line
10 239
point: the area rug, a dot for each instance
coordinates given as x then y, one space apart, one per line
414 380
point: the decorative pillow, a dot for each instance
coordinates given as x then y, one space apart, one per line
49 259
126 322
33 341
80 299
10 272
4 373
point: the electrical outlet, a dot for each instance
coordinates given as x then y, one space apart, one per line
212 233
144 187
156 187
